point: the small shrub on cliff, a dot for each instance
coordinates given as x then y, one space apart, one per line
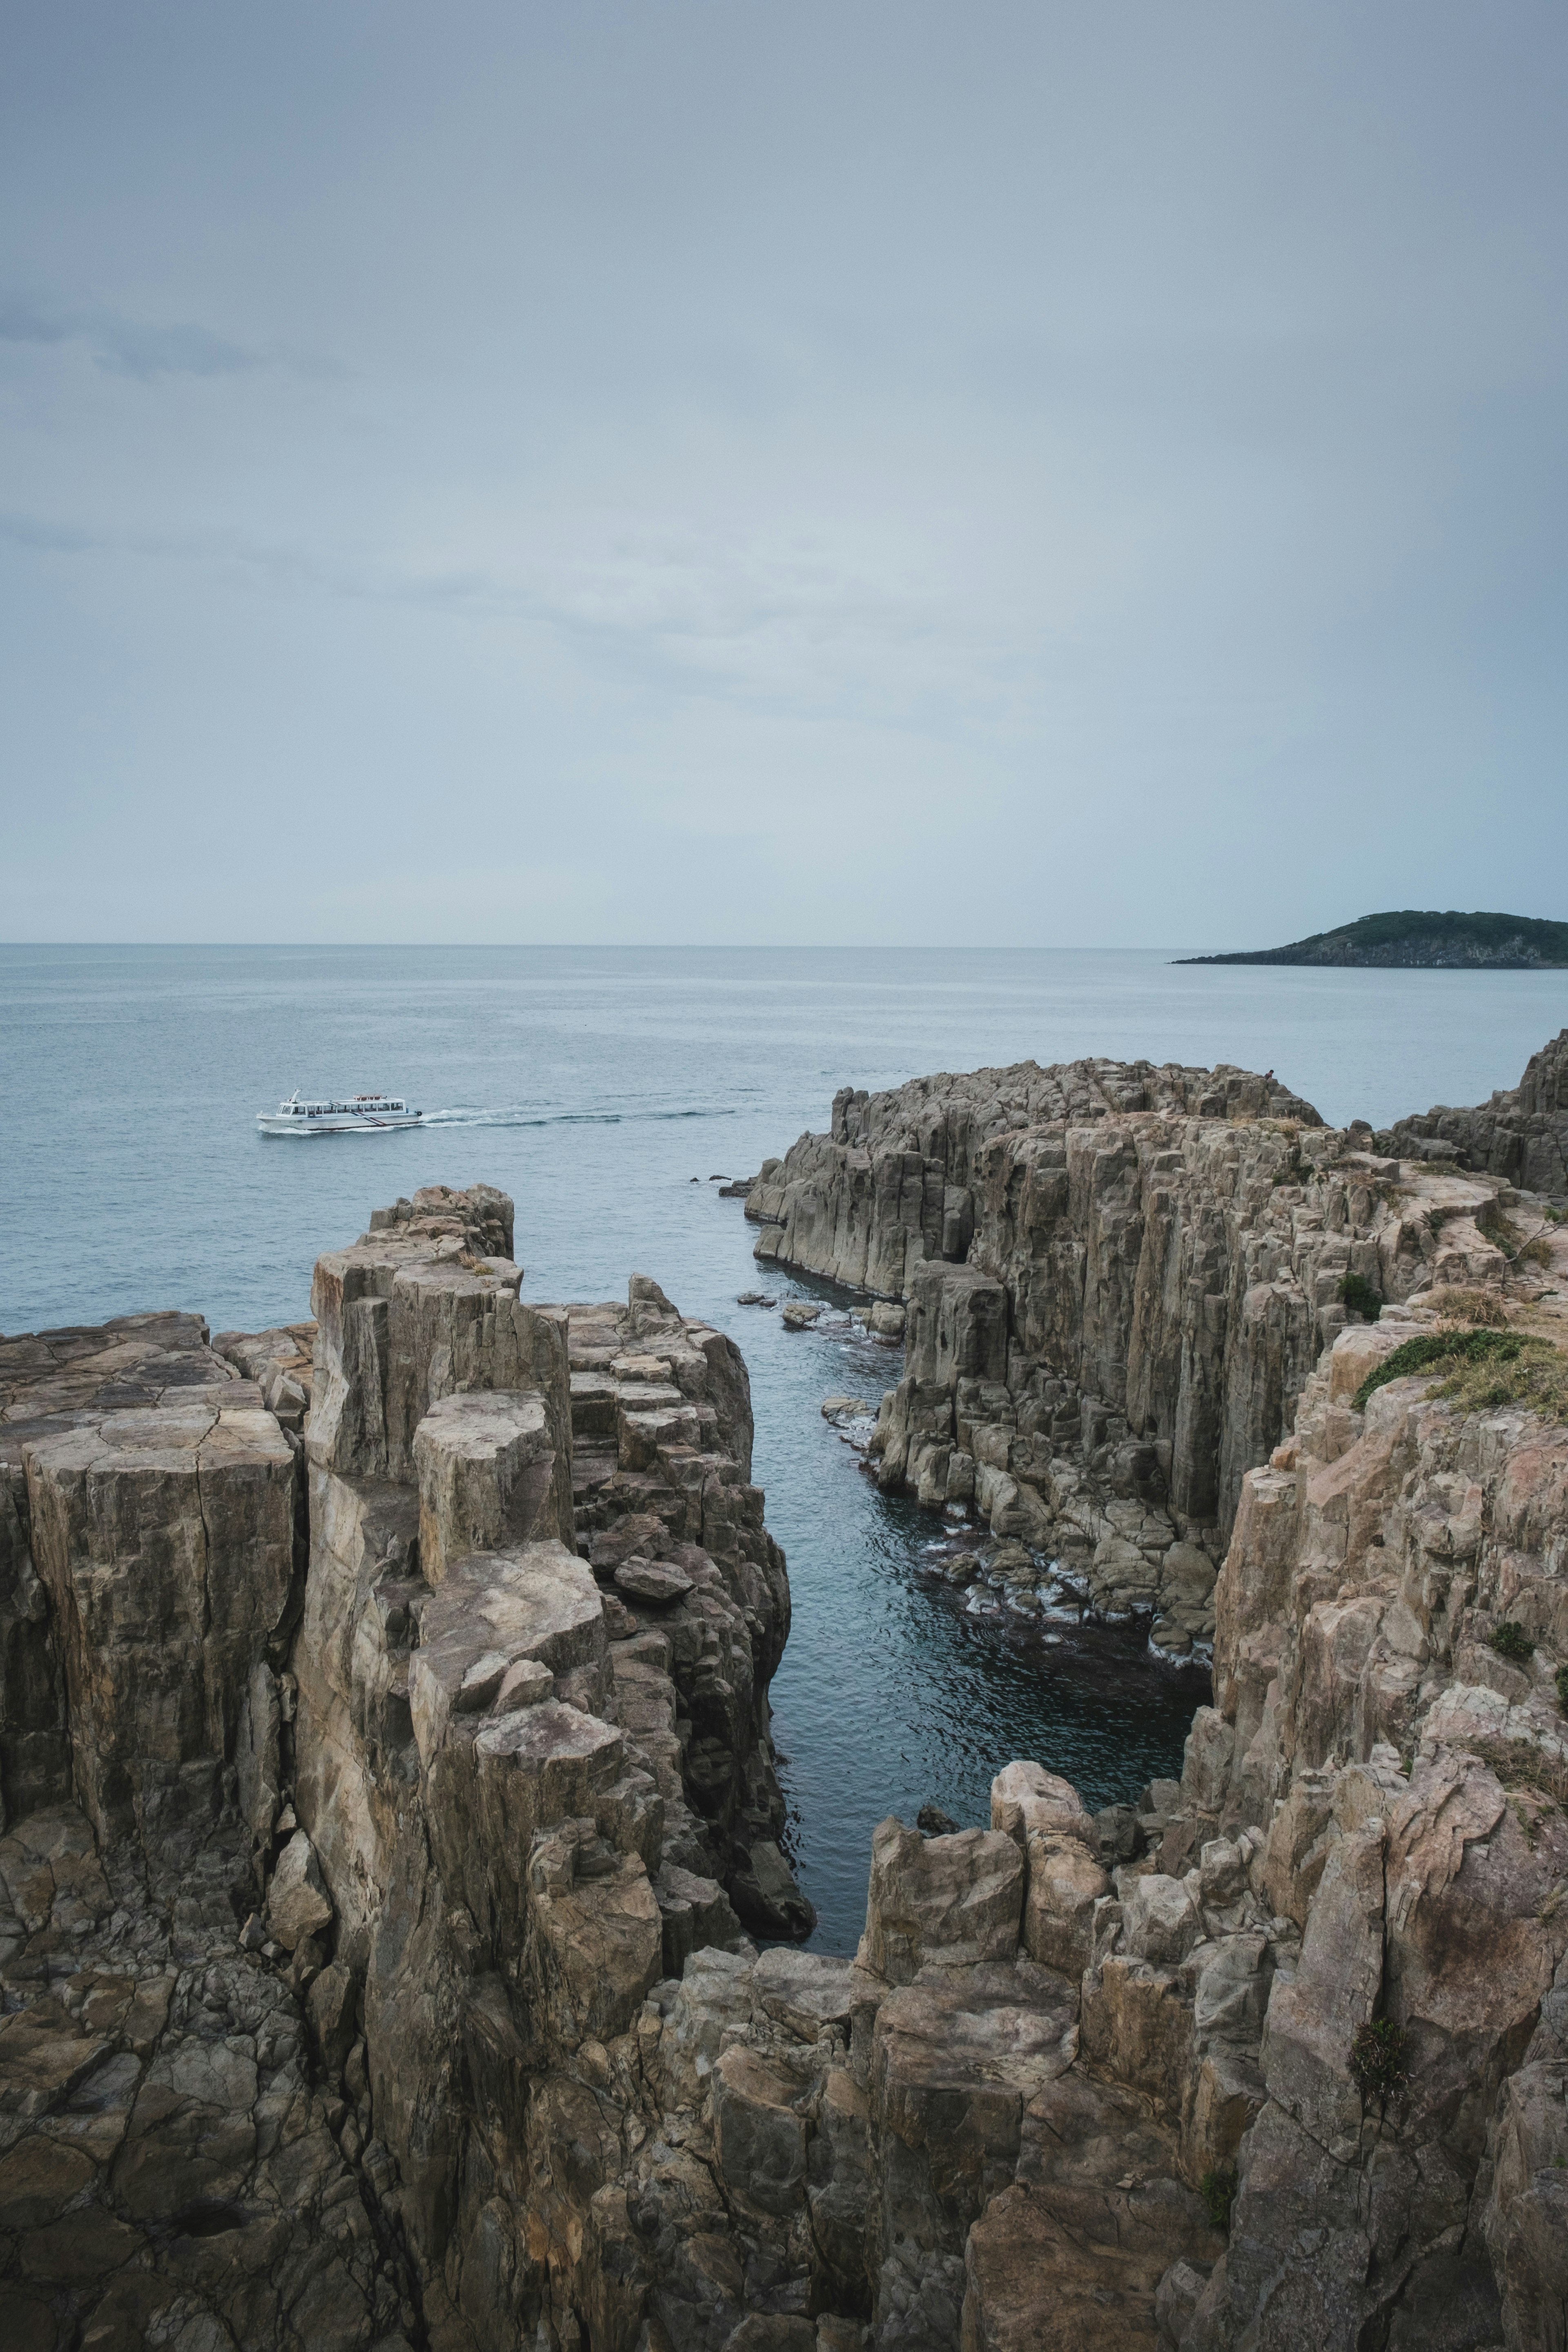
1378 2060
1480 1369
1562 1688
1217 2190
1361 1298
1439 1351
1510 1641
1537 1250
1536 1377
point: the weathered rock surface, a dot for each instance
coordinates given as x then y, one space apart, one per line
384 1983
176 2163
388 1810
1118 1278
51 1384
281 1364
1375 1801
1521 1135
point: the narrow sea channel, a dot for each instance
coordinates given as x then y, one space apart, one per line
604 1088
895 1692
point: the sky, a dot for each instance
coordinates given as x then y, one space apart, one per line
699 471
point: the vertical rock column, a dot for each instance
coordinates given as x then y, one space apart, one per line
167 1542
485 1838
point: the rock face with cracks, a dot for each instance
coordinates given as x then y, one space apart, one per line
391 1797
1521 1135
177 2164
384 1714
1118 1277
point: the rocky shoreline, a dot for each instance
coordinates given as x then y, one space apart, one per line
387 1712
391 1815
1143 1307
1118 1278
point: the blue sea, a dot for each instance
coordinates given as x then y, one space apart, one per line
604 1088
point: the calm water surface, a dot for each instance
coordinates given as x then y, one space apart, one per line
593 1084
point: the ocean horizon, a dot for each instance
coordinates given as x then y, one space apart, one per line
604 1089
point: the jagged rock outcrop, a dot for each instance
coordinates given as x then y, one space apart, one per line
379 1980
1291 2076
378 1730
1521 1135
895 1182
1384 1790
51 1384
173 2166
1118 1278
531 1744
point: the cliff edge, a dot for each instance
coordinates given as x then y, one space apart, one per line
1118 1277
388 1786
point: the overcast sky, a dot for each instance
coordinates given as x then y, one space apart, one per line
698 470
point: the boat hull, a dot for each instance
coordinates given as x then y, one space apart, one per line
337 1122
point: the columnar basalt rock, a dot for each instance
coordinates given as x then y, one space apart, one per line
531 1743
1379 1790
52 1384
1118 1278
372 1799
171 2158
165 1540
385 1981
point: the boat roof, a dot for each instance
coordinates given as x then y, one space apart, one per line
334 1102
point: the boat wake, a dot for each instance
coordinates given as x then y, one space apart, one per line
519 1118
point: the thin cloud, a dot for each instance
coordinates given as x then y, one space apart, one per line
773 628
46 537
128 347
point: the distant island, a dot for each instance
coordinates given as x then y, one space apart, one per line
1427 942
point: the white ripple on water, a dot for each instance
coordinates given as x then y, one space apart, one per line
519 1116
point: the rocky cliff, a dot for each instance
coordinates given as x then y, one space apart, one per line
1383 1778
171 2148
1521 1135
391 1782
1118 1278
380 1725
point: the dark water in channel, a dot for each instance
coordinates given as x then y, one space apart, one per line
593 1084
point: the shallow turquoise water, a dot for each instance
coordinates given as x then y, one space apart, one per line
593 1084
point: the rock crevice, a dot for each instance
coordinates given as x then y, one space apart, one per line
400 1680
373 1944
1118 1277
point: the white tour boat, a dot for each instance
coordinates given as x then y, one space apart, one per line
358 1116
